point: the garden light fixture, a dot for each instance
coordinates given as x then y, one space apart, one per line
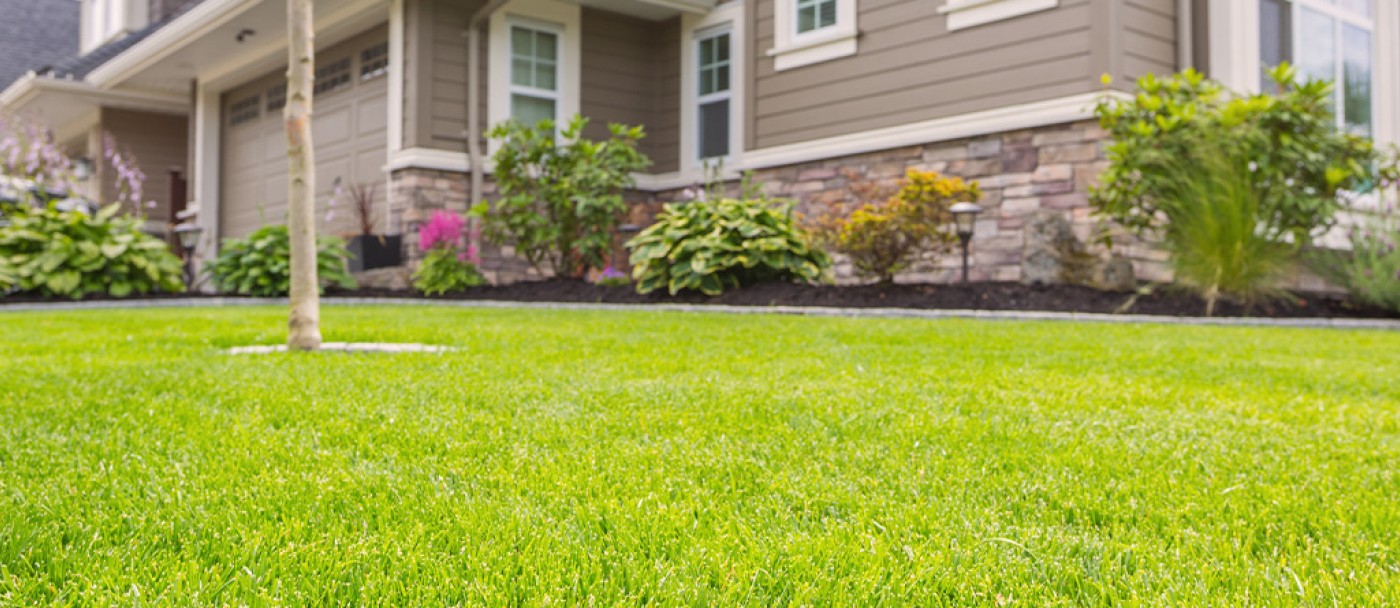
965 218
188 233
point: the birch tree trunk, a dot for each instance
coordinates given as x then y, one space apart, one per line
304 326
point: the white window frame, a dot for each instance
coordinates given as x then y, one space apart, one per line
1235 62
564 19
106 20
971 13
695 28
1340 18
528 91
706 98
792 49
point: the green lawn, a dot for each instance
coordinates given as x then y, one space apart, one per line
567 458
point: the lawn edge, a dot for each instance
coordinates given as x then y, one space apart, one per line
809 311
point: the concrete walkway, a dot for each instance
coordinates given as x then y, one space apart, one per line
812 311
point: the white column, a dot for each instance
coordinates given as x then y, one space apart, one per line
1234 43
208 120
396 76
1386 72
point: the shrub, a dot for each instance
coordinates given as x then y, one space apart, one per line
450 263
561 196
1298 160
1371 270
260 265
49 252
883 237
710 246
1216 231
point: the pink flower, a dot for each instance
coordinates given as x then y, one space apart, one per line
444 229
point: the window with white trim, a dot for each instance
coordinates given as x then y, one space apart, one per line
104 20
1326 39
714 95
812 31
534 74
971 13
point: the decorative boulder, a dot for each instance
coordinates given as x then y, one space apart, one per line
1054 256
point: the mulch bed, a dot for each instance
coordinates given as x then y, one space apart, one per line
1164 301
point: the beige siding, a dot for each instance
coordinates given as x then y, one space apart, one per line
435 72
157 141
1149 38
631 75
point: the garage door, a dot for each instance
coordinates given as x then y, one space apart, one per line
349 129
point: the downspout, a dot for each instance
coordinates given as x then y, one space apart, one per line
474 164
1185 35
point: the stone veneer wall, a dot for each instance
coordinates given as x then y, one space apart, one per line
417 193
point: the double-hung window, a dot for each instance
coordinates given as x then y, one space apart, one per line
1325 39
534 74
714 95
813 15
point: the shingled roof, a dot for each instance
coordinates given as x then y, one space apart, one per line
34 34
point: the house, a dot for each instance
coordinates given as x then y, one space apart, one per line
797 91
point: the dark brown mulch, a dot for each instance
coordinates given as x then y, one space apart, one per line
977 296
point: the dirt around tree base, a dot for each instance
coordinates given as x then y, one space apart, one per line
1166 301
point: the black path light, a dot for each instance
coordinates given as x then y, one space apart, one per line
965 217
188 234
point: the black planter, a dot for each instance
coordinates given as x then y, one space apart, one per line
372 251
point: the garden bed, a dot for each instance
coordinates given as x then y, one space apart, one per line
1164 301
976 296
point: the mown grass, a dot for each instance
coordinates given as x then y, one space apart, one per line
608 458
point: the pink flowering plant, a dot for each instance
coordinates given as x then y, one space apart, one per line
450 256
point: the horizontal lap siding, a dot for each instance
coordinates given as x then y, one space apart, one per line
631 76
447 89
1149 38
157 141
909 68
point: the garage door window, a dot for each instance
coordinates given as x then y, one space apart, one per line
276 97
374 61
244 110
534 74
333 76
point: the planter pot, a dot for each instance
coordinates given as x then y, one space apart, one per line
375 251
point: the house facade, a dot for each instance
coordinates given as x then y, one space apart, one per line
807 94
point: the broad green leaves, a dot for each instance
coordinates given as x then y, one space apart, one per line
260 265
711 246
56 253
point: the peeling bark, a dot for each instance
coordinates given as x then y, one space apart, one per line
304 331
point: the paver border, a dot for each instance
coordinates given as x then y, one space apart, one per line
808 311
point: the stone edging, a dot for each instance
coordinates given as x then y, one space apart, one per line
810 311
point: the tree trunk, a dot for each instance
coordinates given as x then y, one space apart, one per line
304 326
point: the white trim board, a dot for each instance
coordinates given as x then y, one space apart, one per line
1025 116
971 13
731 16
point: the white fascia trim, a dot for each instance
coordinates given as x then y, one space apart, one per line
29 87
732 15
205 17
428 158
792 50
971 13
568 18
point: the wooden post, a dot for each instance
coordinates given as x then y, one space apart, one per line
304 325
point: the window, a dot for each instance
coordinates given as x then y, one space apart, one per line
374 61
812 31
713 94
534 74
104 21
332 76
244 110
814 15
277 97
971 13
1327 39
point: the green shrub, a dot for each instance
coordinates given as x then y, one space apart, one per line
1371 270
260 265
561 196
72 254
445 270
710 246
882 237
1298 160
1216 228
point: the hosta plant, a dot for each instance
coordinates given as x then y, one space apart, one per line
260 265
55 253
449 262
711 246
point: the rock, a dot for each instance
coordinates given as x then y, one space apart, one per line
1053 255
396 278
